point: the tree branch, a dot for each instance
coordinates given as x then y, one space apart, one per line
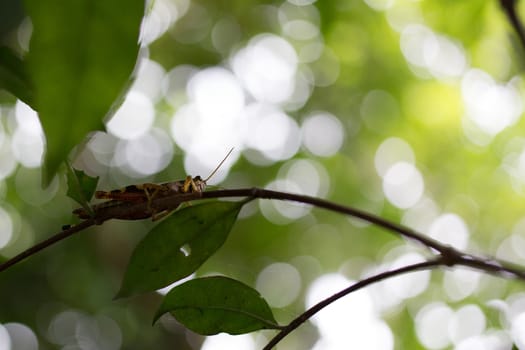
145 209
48 242
321 203
305 316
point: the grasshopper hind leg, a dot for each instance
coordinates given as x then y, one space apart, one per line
151 190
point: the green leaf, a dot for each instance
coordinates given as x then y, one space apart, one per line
217 304
178 246
13 77
81 187
81 56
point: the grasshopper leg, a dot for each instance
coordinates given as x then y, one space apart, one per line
190 185
157 216
151 191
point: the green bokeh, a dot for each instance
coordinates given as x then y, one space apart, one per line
84 272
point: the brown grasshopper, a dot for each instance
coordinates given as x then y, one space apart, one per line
146 192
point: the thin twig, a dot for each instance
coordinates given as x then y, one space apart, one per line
321 203
48 242
305 316
509 7
491 266
126 209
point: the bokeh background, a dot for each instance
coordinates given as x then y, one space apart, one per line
408 109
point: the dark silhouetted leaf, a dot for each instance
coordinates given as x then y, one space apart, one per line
81 56
13 77
218 304
80 187
178 246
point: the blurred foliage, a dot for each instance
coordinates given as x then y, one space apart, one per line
477 181
80 59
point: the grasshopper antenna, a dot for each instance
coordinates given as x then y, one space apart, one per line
218 166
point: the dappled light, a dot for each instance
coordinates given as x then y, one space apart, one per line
74 329
410 111
407 286
322 134
389 295
229 342
133 118
5 339
8 162
6 228
518 330
145 155
282 213
148 80
162 16
351 321
391 151
298 176
403 185
275 135
286 277
31 192
267 68
28 138
512 249
484 99
311 176
430 53
460 284
217 96
464 328
420 216
431 317
21 336
450 229
196 121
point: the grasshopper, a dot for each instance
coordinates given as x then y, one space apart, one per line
146 192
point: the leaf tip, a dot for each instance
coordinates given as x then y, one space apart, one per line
158 315
122 293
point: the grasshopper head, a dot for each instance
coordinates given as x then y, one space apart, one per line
200 184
